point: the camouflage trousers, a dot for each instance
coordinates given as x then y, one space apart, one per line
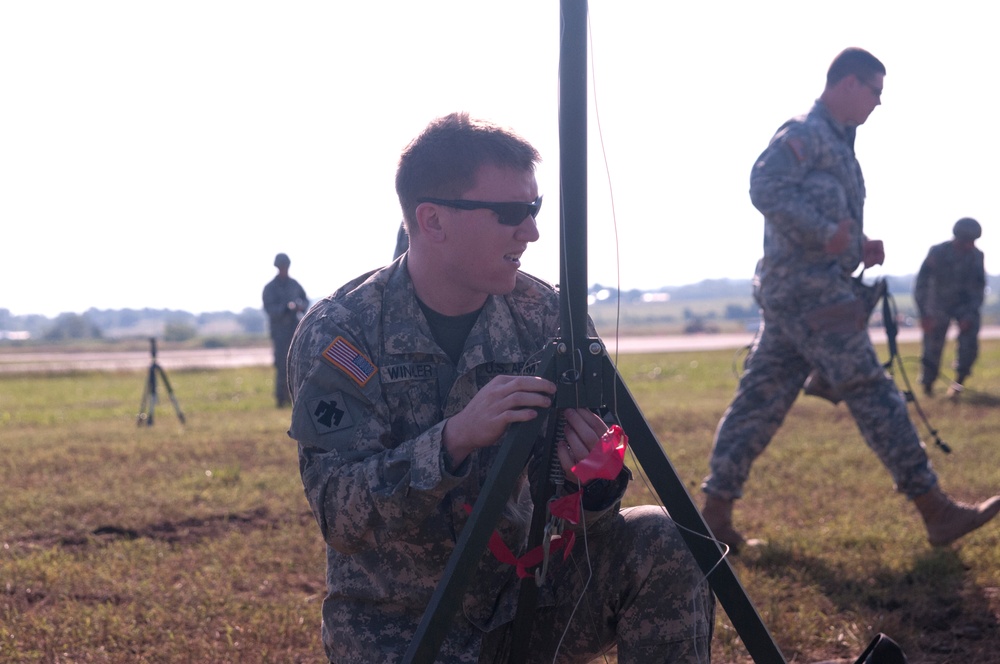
632 582
281 342
933 347
834 340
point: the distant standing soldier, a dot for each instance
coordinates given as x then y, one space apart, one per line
285 302
950 286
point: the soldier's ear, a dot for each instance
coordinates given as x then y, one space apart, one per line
430 221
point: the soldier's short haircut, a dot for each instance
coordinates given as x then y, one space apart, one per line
855 61
444 159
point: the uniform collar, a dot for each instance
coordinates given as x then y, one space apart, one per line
846 132
493 338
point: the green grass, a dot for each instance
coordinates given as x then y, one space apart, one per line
193 543
163 543
846 556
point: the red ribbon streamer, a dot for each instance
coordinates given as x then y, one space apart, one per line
605 461
502 552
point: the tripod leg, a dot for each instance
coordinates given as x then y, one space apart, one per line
674 496
148 404
527 601
153 398
170 393
143 405
515 449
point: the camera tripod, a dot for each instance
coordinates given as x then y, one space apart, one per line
149 399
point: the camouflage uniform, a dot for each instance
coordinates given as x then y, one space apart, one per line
950 286
372 392
282 321
812 313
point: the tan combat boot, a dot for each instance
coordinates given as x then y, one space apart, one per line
957 387
947 520
718 514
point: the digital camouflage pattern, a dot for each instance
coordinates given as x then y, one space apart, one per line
644 590
814 314
950 286
371 392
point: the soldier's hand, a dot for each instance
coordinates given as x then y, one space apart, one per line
841 237
873 253
583 432
927 324
504 401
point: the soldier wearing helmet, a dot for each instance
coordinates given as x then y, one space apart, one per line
285 302
950 287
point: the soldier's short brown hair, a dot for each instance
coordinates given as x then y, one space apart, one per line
444 159
855 61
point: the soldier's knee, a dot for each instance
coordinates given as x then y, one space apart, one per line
654 536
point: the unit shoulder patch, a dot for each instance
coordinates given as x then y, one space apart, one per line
330 413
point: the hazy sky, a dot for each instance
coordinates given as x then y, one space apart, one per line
158 154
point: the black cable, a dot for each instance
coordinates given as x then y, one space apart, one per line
891 330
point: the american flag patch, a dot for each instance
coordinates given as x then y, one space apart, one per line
347 358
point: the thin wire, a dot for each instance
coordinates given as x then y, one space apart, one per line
617 330
726 550
564 257
611 195
586 584
889 312
614 221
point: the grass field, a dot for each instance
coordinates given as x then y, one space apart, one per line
193 543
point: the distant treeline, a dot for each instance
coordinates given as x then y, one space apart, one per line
166 324
711 299
711 289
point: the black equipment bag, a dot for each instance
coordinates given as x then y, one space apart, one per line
882 650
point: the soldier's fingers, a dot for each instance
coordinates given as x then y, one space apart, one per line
510 384
582 431
582 418
566 457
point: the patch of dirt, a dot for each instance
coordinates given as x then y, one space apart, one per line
182 532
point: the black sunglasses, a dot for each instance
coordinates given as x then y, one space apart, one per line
508 214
